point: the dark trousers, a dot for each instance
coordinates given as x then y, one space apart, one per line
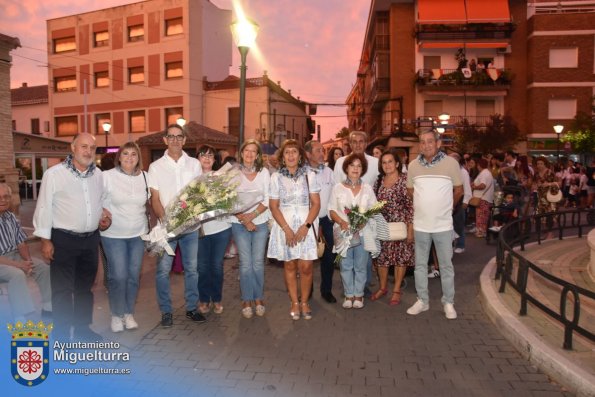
327 267
72 273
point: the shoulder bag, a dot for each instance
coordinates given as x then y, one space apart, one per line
475 201
320 242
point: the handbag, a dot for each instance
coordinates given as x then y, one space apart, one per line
397 231
554 194
476 201
147 204
320 241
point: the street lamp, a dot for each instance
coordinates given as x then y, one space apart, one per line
244 34
558 128
106 128
444 118
181 121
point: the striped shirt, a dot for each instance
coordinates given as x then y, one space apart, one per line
11 233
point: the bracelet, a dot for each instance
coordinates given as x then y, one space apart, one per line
285 227
256 212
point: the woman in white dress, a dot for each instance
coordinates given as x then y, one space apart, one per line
295 203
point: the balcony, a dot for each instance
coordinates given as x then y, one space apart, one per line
464 32
449 79
379 92
458 121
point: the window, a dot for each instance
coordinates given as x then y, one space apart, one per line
485 107
35 127
174 26
66 126
173 70
432 62
101 39
14 125
136 75
564 57
561 109
172 115
101 118
432 109
65 44
136 33
136 120
65 84
101 79
233 121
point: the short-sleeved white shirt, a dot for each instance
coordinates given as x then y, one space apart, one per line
169 177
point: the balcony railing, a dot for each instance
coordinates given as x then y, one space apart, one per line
459 121
472 31
380 90
457 77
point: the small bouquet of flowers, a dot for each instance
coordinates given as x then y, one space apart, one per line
357 220
208 196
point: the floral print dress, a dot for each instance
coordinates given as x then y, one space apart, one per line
398 208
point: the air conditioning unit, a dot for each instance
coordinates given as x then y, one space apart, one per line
504 50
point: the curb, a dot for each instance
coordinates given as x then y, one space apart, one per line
546 358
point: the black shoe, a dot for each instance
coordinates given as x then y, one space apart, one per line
86 334
328 296
195 316
167 320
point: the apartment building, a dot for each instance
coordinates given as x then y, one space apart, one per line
272 113
139 67
472 59
30 110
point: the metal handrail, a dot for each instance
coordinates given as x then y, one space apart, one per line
516 234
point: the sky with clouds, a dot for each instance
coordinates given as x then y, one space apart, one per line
312 46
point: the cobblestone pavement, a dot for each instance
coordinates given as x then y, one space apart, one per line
377 351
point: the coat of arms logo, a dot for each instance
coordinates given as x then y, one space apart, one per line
29 352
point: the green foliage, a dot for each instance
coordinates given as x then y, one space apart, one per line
501 133
343 133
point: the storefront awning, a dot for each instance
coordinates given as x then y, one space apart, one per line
493 11
441 12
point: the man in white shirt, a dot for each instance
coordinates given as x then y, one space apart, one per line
315 155
459 212
434 182
167 176
67 217
358 141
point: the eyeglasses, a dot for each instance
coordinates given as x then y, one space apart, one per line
207 155
178 138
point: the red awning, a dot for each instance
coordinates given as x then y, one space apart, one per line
493 11
441 12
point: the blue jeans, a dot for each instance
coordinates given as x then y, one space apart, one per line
443 243
354 269
124 260
458 220
211 249
189 246
251 250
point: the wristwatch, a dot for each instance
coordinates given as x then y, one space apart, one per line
308 225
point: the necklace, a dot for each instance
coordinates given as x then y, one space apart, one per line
352 185
247 170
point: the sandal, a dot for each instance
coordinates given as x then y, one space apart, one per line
306 311
379 294
294 314
395 299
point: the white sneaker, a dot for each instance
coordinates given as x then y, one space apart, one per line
418 307
357 304
260 310
129 322
459 250
117 324
434 273
449 311
247 312
472 230
496 228
347 303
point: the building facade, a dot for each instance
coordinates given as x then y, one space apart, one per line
272 114
532 61
30 109
139 67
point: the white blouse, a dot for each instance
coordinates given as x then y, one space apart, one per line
342 197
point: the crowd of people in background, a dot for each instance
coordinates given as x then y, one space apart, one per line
302 193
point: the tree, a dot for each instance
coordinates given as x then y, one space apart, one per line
500 134
581 134
343 133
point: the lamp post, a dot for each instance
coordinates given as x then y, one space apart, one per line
181 121
106 128
558 128
244 34
443 118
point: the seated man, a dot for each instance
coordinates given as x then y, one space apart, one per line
509 210
16 264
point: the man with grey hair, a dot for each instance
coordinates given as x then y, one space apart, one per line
67 217
315 155
358 141
16 263
434 183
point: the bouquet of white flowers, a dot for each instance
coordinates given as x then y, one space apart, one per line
208 196
357 220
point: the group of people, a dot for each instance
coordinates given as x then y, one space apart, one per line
303 196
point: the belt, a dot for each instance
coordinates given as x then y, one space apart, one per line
76 234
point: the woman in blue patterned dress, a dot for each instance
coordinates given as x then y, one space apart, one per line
294 203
